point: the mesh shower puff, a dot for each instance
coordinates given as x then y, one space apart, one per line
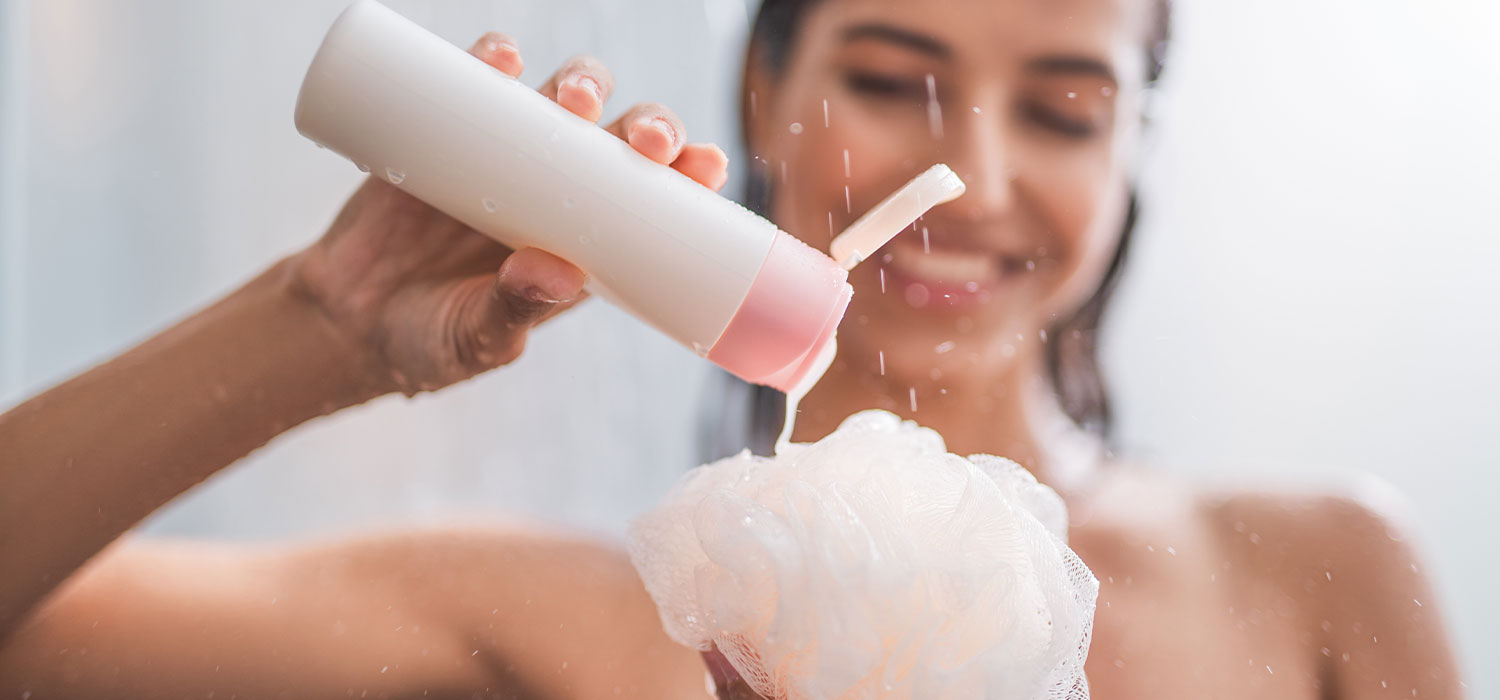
873 564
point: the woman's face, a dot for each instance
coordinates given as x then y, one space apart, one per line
1032 102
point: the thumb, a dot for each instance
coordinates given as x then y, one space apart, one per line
532 285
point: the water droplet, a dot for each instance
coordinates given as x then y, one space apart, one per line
692 619
749 520
917 295
846 162
881 354
795 128
1031 264
911 392
848 208
882 280
1072 95
825 114
934 110
362 167
945 346
971 287
489 204
394 175
926 241
700 348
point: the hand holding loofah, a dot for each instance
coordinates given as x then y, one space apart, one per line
873 564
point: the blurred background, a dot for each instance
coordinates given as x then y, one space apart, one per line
1313 299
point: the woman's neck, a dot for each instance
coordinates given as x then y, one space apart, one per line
1012 413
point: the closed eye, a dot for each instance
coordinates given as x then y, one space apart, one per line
883 86
1056 121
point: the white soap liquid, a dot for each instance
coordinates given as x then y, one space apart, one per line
798 392
867 234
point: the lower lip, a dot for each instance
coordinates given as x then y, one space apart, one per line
924 293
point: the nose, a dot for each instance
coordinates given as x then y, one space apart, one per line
977 149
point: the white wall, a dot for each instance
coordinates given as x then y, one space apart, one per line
1311 294
1315 294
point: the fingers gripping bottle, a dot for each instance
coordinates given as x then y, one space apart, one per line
491 152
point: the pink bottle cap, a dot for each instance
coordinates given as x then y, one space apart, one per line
792 310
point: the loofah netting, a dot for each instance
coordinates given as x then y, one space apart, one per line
873 564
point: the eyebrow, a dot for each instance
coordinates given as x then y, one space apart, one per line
897 35
1072 64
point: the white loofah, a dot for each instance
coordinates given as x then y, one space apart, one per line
873 564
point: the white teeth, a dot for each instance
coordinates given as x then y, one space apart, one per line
946 266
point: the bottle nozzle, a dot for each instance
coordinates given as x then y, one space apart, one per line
892 215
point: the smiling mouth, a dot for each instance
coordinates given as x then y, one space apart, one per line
956 275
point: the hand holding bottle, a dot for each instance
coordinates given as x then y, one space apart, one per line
433 302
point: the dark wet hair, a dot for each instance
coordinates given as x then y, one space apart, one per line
1072 351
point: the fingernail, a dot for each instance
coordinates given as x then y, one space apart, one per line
587 83
657 123
542 296
495 44
665 127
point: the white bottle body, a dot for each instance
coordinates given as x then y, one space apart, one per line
494 154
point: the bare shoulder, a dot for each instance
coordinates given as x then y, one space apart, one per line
1349 562
1328 540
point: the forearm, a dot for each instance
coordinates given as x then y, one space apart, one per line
88 459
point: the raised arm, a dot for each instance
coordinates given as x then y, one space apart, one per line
396 296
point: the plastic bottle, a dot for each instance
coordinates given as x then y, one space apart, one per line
493 153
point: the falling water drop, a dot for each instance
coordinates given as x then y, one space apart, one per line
926 241
394 175
825 114
911 392
934 110
846 162
849 208
362 167
795 128
881 353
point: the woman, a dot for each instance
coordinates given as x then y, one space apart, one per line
979 323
